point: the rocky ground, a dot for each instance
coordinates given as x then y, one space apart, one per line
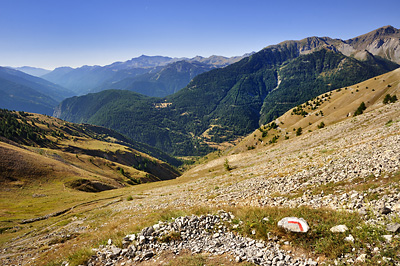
198 234
351 166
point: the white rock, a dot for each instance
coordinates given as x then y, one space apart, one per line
259 245
396 207
350 238
216 235
156 227
130 237
294 224
341 228
109 242
361 258
394 228
388 238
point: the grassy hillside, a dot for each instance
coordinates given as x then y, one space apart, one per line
108 159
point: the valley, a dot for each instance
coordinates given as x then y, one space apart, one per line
346 172
231 102
286 156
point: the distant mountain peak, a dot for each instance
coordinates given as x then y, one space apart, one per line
387 30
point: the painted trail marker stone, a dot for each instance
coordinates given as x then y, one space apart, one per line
294 224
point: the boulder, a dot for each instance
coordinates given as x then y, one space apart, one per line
350 238
341 228
294 224
385 210
394 228
388 238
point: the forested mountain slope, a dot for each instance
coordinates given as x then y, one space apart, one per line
224 104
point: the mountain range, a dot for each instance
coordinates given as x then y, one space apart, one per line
40 91
227 103
150 75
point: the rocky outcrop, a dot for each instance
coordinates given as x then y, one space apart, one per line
200 234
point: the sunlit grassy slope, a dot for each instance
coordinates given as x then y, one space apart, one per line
327 108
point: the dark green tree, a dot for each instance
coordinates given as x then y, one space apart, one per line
387 99
299 131
360 109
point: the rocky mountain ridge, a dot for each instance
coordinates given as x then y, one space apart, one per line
383 42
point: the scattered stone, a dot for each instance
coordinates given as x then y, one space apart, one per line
349 238
394 228
109 242
396 207
156 227
388 238
130 238
148 255
362 258
339 228
259 245
294 224
385 210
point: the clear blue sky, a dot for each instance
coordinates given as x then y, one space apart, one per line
53 33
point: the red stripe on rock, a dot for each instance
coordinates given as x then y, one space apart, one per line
298 223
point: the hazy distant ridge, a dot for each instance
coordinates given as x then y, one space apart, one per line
143 69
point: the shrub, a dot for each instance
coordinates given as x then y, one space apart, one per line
360 109
389 99
321 125
227 166
299 131
129 198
